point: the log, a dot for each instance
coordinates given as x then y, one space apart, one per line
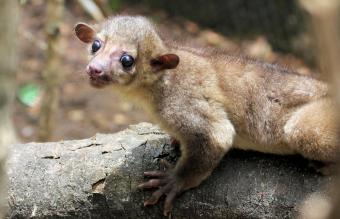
97 178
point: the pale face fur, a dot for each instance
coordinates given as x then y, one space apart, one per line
109 55
123 35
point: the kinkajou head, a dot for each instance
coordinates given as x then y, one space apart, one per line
125 50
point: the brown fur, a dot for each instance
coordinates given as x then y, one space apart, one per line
211 102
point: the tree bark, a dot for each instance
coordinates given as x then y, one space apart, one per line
51 74
8 42
97 178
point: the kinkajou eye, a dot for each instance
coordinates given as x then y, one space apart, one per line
127 61
96 46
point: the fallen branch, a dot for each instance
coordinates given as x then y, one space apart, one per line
97 178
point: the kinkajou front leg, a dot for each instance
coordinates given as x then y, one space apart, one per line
202 146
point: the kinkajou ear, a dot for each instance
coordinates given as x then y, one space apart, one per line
167 61
84 32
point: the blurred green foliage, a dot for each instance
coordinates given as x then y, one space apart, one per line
28 94
115 4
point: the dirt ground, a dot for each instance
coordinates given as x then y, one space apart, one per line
85 110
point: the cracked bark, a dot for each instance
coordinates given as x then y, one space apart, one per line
57 180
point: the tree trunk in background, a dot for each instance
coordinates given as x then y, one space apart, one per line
8 41
51 76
